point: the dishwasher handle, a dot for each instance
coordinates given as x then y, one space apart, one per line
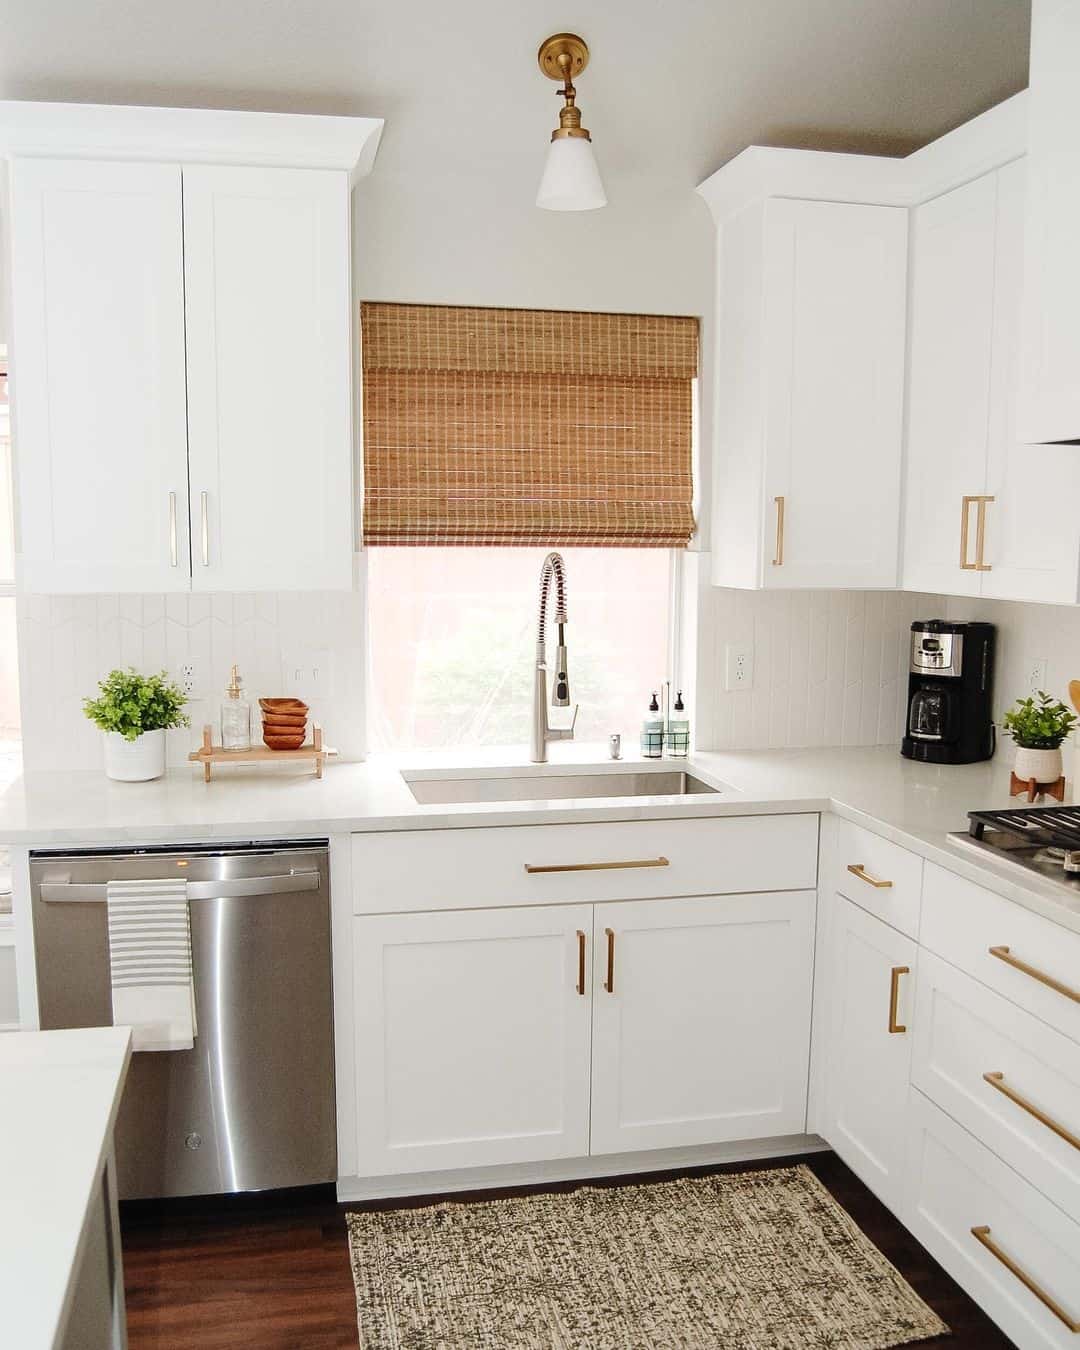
89 892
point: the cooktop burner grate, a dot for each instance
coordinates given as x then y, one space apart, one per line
1040 826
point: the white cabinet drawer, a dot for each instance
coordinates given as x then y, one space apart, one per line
403 870
879 876
1011 1079
1029 959
956 1185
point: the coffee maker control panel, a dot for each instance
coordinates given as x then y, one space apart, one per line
937 653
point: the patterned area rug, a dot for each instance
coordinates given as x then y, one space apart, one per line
758 1261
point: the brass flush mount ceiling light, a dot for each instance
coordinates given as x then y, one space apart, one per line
571 180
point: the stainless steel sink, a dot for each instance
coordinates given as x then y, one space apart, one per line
556 787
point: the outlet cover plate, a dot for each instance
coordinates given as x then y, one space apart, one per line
738 667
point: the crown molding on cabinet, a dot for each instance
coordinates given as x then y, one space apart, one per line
189 135
985 143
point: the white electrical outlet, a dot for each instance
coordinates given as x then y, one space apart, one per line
738 667
188 676
1037 674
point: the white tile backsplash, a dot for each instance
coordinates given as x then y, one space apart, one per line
67 643
830 667
1026 632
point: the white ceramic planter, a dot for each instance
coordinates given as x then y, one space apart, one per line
134 761
1044 766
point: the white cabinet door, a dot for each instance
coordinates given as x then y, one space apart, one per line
100 432
952 296
472 1038
835 295
1032 539
1050 391
868 1051
266 262
701 1019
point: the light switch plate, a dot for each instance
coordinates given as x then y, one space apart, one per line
308 673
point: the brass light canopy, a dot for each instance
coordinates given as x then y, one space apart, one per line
571 180
561 58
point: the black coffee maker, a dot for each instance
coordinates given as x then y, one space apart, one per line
950 687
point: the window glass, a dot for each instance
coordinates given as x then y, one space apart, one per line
453 637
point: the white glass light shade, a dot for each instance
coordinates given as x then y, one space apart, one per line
571 179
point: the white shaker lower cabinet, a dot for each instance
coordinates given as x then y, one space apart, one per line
1014 1251
870 969
474 1040
701 1019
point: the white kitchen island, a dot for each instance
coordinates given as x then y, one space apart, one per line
61 1276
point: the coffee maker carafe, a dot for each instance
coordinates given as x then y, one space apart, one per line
950 687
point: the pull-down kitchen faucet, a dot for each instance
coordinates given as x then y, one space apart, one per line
554 569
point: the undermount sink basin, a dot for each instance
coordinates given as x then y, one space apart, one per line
556 787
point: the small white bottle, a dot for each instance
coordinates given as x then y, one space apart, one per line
236 715
652 731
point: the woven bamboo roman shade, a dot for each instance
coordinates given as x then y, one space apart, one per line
508 426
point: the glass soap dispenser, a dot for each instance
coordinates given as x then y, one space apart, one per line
236 715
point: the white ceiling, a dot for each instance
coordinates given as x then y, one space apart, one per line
675 86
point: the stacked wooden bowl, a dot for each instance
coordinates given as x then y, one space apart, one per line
284 723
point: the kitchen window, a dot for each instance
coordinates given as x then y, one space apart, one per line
453 635
490 437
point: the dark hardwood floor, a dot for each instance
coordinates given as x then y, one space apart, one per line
273 1271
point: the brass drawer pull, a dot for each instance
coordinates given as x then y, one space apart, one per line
580 962
895 1027
997 1081
858 870
982 1234
1005 954
609 983
778 559
597 867
980 533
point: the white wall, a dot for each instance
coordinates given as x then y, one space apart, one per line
67 643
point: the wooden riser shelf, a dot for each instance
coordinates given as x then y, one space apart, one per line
209 754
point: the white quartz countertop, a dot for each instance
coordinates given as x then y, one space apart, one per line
60 1091
916 805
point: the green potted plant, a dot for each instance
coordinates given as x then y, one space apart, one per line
1038 725
134 711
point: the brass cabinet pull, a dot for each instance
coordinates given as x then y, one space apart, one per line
778 559
997 1081
204 507
980 533
172 529
858 870
982 1234
1005 954
596 867
896 1027
609 983
580 961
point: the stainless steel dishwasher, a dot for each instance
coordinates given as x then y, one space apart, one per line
251 1107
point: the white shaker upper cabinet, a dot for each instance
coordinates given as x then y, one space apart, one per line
952 307
1032 549
100 433
266 262
1049 388
986 514
809 394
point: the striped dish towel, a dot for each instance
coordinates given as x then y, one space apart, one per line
150 963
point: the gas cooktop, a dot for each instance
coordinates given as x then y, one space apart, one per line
1041 839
